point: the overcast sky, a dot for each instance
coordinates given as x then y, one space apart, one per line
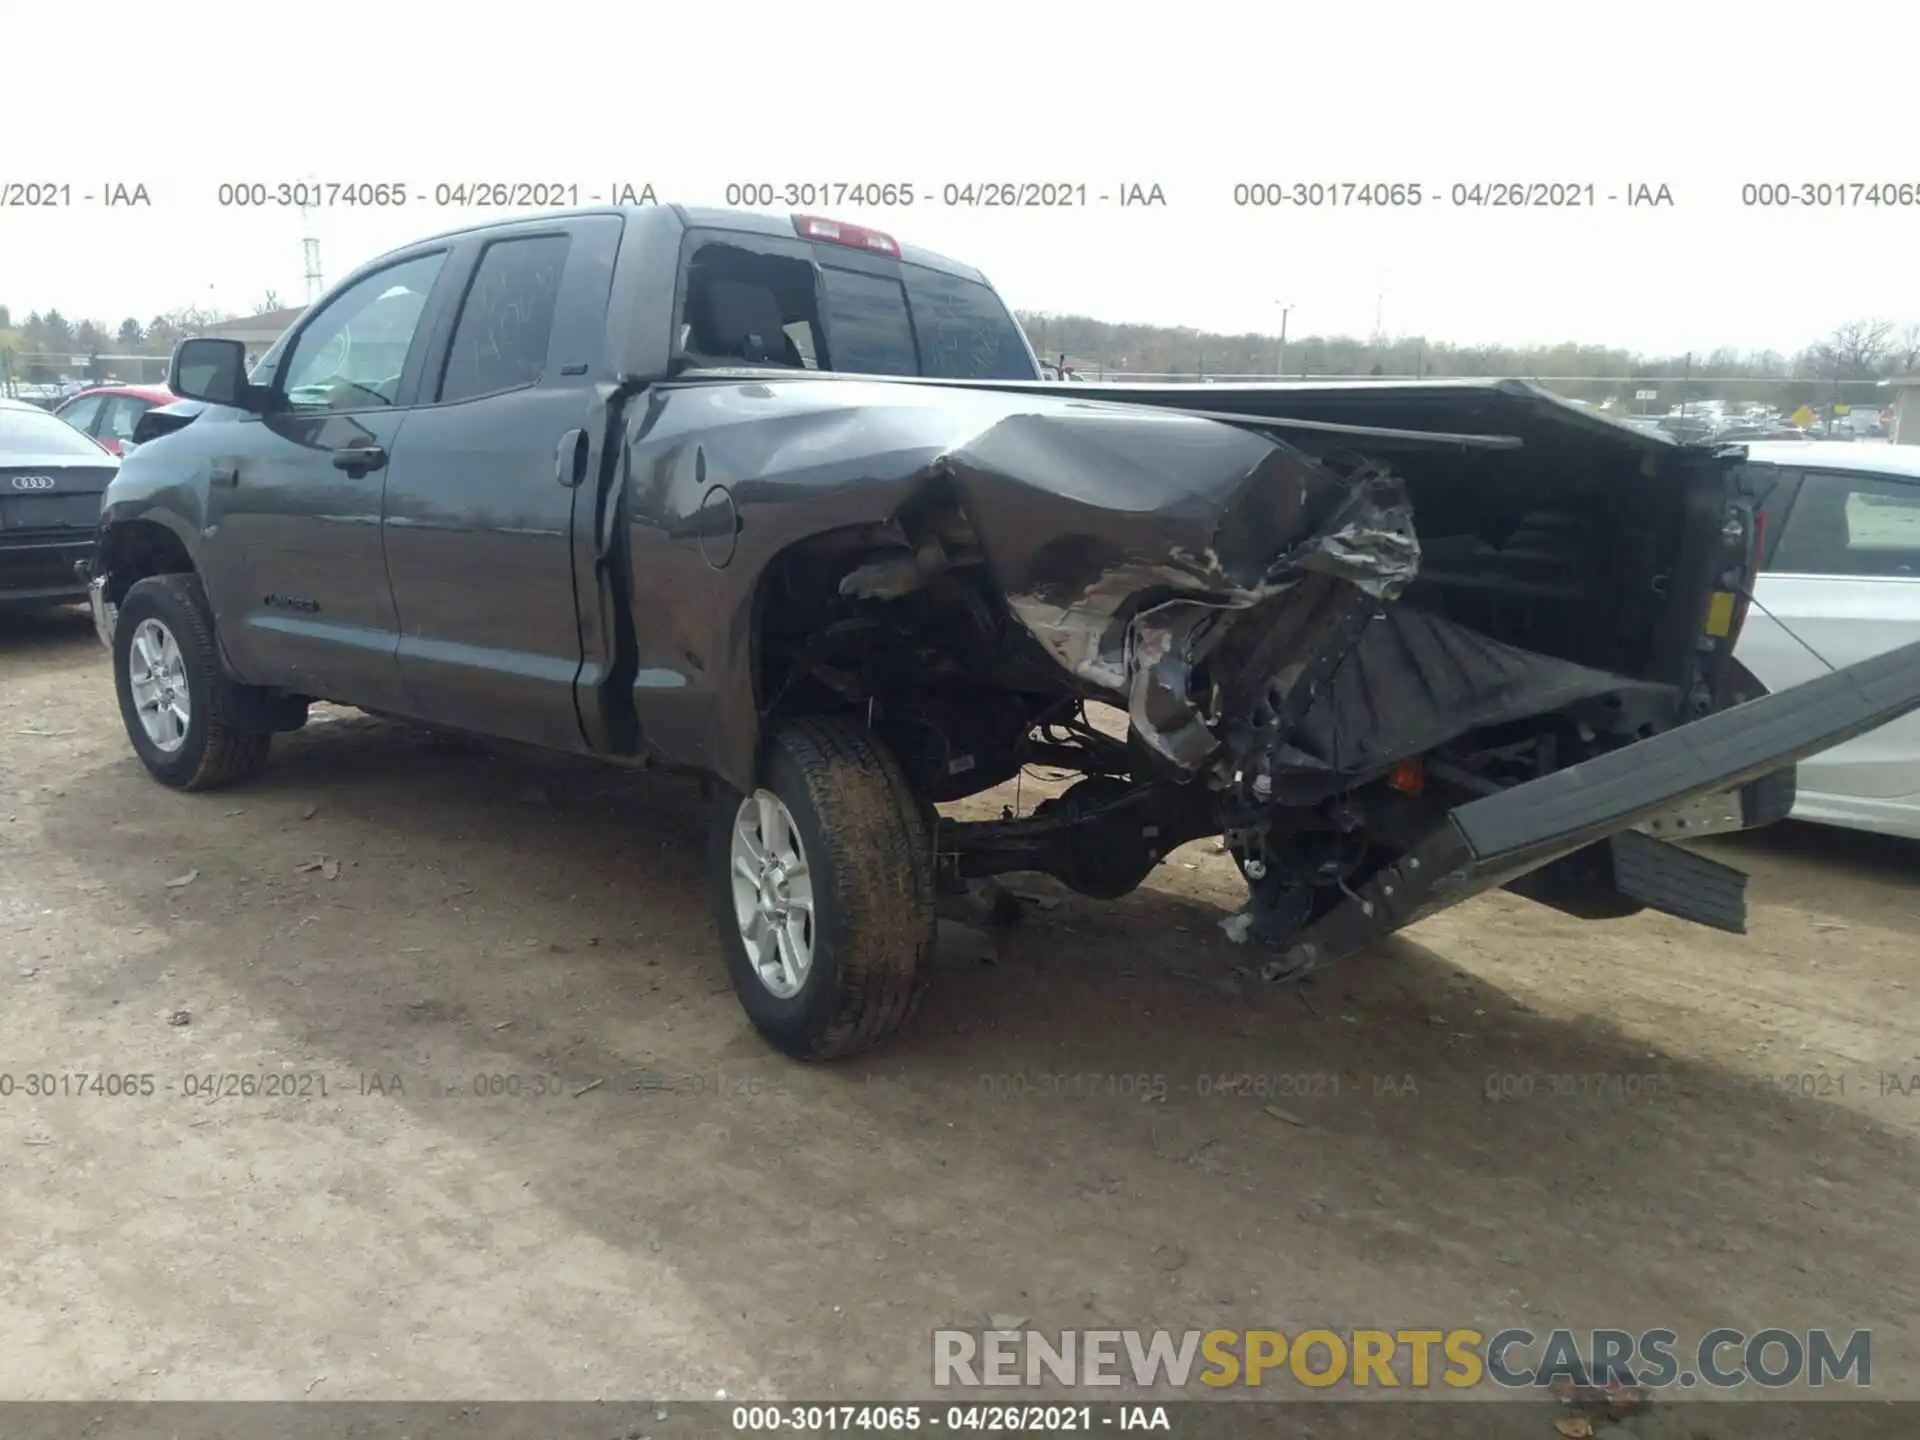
1701 98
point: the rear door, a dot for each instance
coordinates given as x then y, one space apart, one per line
1842 584
480 499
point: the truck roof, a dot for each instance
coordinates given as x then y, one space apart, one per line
745 222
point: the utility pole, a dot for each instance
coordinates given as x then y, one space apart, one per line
310 253
1280 355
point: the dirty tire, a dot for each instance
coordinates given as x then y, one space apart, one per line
214 752
871 862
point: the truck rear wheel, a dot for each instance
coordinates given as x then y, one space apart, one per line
823 892
176 701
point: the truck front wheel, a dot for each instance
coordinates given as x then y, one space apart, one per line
823 892
178 704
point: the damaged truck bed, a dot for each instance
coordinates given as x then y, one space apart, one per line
1398 644
783 504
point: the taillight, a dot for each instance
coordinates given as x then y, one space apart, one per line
1409 777
854 237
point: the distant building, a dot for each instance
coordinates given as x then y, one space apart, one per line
256 332
1906 408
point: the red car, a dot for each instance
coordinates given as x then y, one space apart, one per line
108 412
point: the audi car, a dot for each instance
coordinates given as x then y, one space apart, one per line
51 476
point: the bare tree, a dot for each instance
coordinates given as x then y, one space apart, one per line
192 319
1856 349
1906 349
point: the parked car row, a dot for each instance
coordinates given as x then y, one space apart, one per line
1715 422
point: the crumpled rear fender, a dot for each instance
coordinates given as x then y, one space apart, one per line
1122 538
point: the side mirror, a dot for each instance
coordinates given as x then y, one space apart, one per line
213 370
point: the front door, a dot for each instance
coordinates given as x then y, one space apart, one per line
294 508
480 499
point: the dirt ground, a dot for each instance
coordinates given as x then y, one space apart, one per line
1056 1141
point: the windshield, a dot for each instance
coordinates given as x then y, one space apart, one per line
34 432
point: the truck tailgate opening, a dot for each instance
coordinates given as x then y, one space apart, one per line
1487 842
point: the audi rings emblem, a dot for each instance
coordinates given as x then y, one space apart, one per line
33 482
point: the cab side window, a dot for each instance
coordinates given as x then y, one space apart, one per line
1853 526
500 340
351 356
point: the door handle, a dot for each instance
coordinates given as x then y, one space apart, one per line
357 460
570 459
224 475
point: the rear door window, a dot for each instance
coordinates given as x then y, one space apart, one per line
500 340
1852 525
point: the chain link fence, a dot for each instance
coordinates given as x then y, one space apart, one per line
41 376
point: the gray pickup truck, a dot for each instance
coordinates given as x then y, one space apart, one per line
786 506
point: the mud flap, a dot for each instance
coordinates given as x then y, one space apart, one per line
1678 882
1491 841
1629 872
